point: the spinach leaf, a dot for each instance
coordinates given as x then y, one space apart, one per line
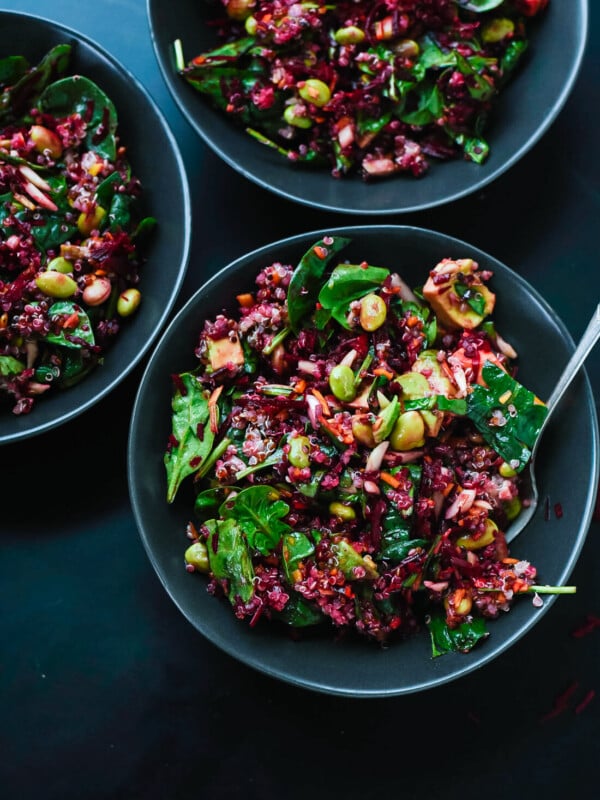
260 514
17 99
508 415
229 558
296 547
430 106
349 561
299 613
83 330
208 501
471 296
53 230
512 57
191 439
396 540
349 282
10 366
11 69
461 639
224 54
307 278
77 94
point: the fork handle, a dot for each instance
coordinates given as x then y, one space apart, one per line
588 340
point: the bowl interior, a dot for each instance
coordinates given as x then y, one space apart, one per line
165 196
524 111
568 465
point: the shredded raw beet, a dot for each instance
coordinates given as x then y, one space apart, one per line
348 475
375 87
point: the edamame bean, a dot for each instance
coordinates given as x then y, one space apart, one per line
56 284
408 432
297 116
512 508
349 35
86 223
197 556
298 455
128 302
497 29
60 264
506 470
373 312
341 382
488 536
363 432
314 91
342 511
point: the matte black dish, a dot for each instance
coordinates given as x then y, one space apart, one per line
525 111
568 472
156 160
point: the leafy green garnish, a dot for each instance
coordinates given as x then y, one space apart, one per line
259 512
229 558
508 415
307 279
296 546
82 331
192 439
471 296
461 639
349 282
299 613
10 366
77 94
19 97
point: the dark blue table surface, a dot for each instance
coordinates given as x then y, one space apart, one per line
106 691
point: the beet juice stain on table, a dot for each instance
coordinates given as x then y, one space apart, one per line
113 694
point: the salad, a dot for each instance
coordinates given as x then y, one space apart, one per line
353 448
373 87
70 240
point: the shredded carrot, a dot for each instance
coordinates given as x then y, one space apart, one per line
386 373
510 560
320 252
412 321
448 489
100 273
300 386
389 479
322 401
245 300
71 321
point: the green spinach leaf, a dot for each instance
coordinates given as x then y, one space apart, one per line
508 415
260 513
17 99
191 439
83 330
77 94
461 639
307 278
229 558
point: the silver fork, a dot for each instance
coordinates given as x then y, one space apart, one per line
588 340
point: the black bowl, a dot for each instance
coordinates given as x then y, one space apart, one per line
525 111
155 159
568 471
